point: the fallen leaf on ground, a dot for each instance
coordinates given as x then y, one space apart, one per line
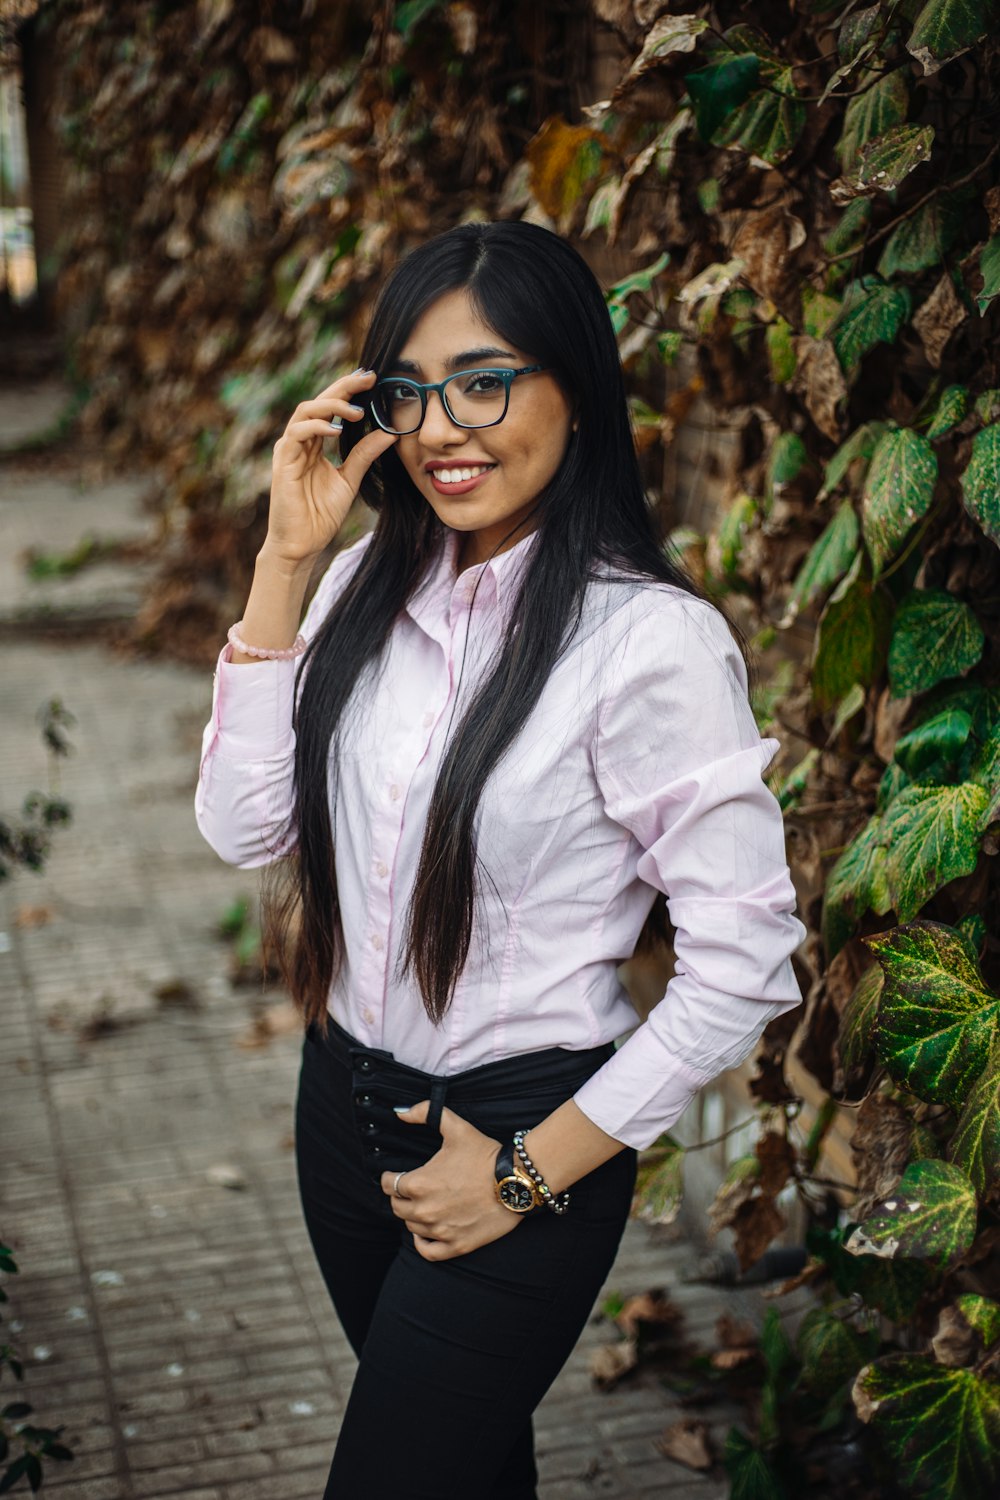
610 1362
33 916
686 1442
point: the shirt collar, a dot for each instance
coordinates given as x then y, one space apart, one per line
496 581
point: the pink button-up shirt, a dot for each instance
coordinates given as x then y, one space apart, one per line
638 771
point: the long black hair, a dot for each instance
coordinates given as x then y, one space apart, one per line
534 290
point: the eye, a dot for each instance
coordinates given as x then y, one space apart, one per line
481 383
400 390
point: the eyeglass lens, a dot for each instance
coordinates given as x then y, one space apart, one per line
473 398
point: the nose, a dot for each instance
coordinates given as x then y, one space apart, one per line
437 427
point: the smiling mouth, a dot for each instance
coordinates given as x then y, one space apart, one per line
460 473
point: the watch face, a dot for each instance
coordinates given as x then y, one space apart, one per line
515 1195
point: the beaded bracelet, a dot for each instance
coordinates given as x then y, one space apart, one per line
557 1202
265 654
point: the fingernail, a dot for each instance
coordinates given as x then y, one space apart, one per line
401 1109
359 371
359 409
336 426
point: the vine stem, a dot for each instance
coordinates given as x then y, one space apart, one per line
942 187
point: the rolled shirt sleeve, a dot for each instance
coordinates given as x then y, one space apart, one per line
244 794
679 762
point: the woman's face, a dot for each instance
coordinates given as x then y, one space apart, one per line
503 468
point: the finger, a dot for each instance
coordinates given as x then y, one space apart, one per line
412 1114
363 455
357 380
304 432
433 1249
327 406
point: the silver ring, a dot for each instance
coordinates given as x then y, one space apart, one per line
395 1186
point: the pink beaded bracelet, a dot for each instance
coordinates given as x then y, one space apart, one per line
239 644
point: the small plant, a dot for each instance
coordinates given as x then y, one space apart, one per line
33 1443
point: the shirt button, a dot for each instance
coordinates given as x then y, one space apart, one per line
382 869
377 943
367 1016
428 720
394 792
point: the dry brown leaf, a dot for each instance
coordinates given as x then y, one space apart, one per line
937 319
33 916
559 164
890 716
610 1362
686 1442
991 203
777 1162
731 1359
765 242
881 1146
647 1309
819 380
954 1342
755 1225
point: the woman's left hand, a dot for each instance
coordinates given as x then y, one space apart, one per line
449 1204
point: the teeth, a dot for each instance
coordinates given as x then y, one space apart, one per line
455 476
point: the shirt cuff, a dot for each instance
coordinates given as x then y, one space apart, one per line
252 706
635 1096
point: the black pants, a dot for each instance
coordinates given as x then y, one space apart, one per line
454 1355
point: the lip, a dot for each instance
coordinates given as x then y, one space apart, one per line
460 486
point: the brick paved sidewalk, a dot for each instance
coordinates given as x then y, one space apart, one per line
178 1326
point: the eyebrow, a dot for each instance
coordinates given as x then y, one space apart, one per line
467 360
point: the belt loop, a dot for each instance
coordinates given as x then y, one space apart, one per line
438 1090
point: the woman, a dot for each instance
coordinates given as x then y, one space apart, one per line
516 722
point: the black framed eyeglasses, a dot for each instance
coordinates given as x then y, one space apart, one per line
472 398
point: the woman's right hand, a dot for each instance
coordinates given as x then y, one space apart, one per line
310 496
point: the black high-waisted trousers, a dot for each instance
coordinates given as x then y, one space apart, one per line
454 1355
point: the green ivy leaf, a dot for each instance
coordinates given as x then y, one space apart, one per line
894 778
924 239
982 703
986 772
975 1146
987 407
899 488
932 835
936 1018
786 460
769 123
856 884
981 1314
851 638
780 351
668 346
935 636
894 1287
411 12
719 89
854 1040
886 161
981 481
952 406
927 752
818 312
946 28
872 313
659 1184
732 530
848 235
871 113
930 1216
830 1350
640 281
989 269
857 449
939 1427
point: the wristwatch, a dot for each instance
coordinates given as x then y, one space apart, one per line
515 1191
